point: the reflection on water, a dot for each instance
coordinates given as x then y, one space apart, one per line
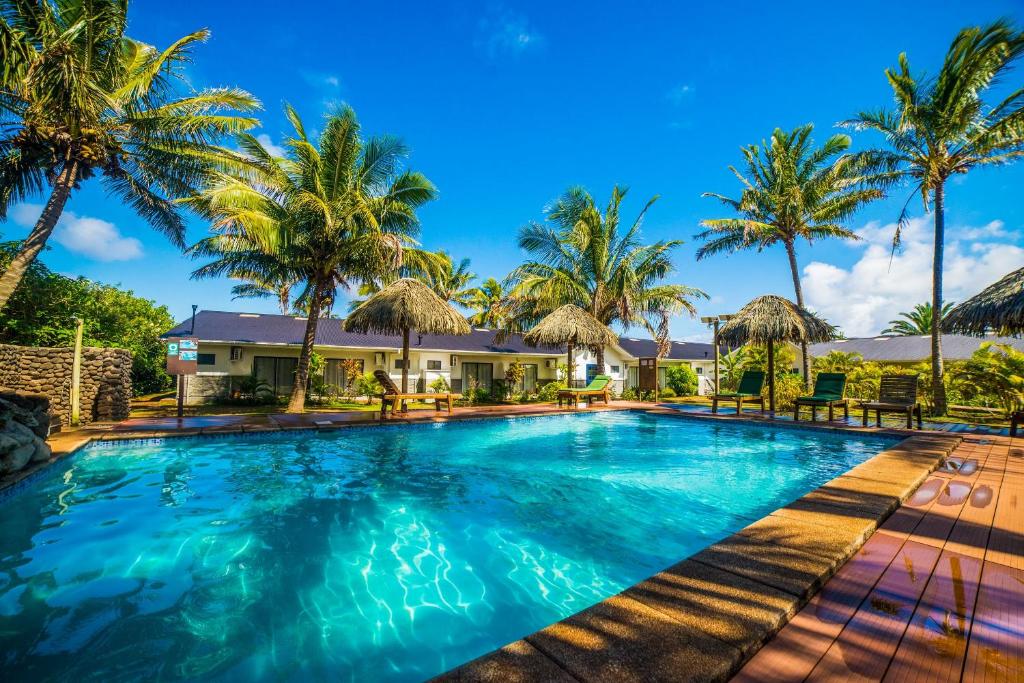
386 553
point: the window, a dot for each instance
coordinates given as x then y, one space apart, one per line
398 363
529 381
433 365
700 370
279 373
615 369
481 373
335 372
206 359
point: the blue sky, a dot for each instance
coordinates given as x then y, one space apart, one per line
506 104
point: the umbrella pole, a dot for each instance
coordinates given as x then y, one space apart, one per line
405 367
771 376
569 363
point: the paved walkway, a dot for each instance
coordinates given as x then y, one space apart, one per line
936 594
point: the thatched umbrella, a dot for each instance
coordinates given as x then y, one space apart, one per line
998 307
572 326
770 319
402 306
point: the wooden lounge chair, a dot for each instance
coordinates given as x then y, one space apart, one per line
829 392
393 397
599 387
896 394
749 391
1016 420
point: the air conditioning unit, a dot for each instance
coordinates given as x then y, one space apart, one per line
453 360
236 353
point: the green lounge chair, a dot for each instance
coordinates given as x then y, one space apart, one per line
749 391
600 386
896 394
829 392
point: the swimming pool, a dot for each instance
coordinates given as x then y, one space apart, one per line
376 553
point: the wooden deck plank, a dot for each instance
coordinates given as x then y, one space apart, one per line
950 603
794 653
995 649
935 642
864 647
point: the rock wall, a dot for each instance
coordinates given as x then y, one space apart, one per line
106 379
24 426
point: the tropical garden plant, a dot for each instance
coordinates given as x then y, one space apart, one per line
792 191
337 211
81 99
994 372
945 126
681 379
917 322
582 255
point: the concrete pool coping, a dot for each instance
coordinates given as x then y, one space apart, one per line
704 617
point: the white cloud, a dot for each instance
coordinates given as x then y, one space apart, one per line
504 32
880 285
92 237
268 144
681 94
322 81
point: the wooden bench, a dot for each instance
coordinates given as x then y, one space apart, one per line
896 394
394 397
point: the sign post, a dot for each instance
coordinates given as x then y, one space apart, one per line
182 360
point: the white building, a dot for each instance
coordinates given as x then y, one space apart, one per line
234 345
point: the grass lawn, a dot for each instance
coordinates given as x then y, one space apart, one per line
164 405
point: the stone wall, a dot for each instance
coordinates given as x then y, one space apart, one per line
106 379
24 426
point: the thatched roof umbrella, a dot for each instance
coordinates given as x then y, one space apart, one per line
572 326
998 307
405 305
770 319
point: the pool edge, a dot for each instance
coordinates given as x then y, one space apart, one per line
707 615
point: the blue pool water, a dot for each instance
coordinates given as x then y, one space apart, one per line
382 553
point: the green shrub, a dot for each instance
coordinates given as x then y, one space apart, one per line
440 386
549 392
667 392
368 386
681 379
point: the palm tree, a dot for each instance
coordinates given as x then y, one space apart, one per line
942 126
916 322
79 98
486 302
279 287
792 190
581 257
434 269
340 211
451 281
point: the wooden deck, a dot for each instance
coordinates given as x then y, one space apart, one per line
936 594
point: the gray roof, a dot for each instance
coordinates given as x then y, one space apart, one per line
648 348
263 328
895 349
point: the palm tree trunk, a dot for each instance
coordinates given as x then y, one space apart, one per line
570 361
36 240
284 299
599 352
938 387
795 270
297 402
771 376
405 366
